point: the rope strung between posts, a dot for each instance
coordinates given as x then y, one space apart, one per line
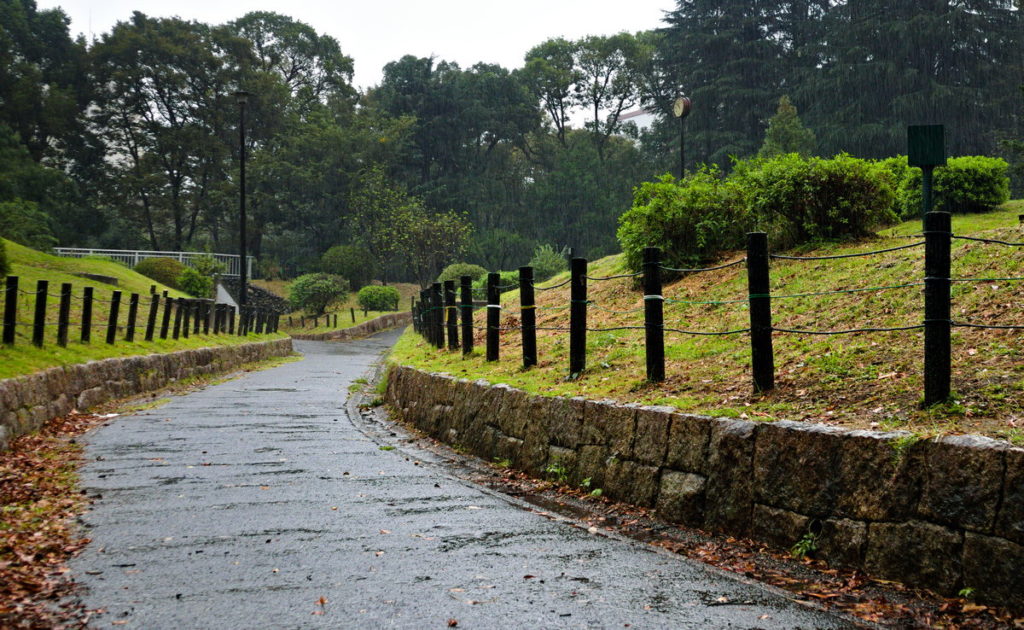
988 240
674 301
838 256
1017 279
838 291
708 334
624 275
844 332
554 286
725 266
987 326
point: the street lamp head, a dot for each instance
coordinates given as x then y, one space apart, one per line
241 97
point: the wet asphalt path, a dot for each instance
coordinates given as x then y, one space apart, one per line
258 503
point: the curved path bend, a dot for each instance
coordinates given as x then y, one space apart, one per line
258 503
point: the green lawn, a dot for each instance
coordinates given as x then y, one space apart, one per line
870 380
30 266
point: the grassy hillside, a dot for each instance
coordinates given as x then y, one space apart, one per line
31 266
867 380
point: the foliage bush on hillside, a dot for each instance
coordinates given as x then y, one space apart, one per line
376 298
971 183
691 221
5 268
163 270
798 200
352 262
194 283
314 292
23 222
455 271
548 261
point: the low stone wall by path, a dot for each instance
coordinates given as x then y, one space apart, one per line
943 514
27 402
365 329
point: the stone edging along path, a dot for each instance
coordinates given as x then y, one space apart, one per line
365 329
27 402
944 514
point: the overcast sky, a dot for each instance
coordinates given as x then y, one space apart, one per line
374 32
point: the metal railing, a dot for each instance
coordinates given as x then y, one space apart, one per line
131 257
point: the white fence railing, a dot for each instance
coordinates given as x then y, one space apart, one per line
131 257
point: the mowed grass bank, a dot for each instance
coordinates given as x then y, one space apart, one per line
31 266
866 380
343 310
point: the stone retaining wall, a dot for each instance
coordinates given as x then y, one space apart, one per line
943 514
365 329
27 402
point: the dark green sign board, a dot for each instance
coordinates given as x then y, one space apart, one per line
926 145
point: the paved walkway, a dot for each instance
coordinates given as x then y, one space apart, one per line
258 503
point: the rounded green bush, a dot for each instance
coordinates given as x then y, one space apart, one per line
455 271
548 261
314 292
5 267
352 262
163 270
508 280
691 220
376 298
972 183
194 283
797 200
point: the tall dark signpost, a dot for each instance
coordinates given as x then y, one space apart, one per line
926 149
242 98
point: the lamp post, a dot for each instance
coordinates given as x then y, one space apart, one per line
681 109
242 98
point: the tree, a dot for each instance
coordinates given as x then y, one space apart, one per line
382 213
609 82
551 74
786 134
434 242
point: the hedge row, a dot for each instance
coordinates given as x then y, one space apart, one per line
795 200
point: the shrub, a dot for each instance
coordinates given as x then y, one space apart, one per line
163 270
966 184
194 283
455 271
313 292
208 265
690 220
374 298
5 267
352 262
507 279
548 261
23 222
799 200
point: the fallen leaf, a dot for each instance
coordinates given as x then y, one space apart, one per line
452 623
385 531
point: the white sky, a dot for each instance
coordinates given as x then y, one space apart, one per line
374 32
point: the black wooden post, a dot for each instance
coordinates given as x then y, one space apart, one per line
115 310
10 309
762 358
231 319
154 309
654 320
218 318
63 313
466 313
87 315
178 303
165 323
197 316
451 314
335 321
207 315
186 323
937 235
577 317
528 316
39 322
437 314
493 315
302 320
133 313
152 289
261 321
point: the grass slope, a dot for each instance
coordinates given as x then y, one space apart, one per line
342 309
31 266
870 380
